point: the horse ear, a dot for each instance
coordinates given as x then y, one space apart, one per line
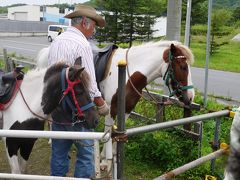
76 72
172 48
78 61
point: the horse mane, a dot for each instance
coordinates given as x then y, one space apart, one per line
184 49
57 68
187 53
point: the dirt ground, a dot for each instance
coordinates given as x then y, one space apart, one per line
39 161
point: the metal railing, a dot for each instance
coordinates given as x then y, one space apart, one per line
129 132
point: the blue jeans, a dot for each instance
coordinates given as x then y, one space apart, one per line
84 167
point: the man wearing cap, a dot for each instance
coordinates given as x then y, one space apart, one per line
68 47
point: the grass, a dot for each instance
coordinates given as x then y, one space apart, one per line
226 58
39 161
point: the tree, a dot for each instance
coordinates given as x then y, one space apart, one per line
217 24
129 20
236 14
198 13
3 10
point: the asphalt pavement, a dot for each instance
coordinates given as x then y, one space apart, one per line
24 46
220 83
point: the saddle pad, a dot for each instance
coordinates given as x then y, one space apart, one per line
102 60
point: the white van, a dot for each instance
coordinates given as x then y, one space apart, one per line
53 31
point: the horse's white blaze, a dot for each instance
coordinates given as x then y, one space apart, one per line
190 92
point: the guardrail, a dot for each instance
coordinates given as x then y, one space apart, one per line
22 34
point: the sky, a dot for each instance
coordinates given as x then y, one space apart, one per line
39 2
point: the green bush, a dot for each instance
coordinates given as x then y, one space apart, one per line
168 149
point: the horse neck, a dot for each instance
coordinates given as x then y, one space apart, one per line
147 60
32 84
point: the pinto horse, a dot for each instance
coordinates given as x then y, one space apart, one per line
145 63
40 93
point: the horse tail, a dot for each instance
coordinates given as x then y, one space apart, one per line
42 58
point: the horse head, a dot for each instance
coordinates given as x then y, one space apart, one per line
177 76
66 92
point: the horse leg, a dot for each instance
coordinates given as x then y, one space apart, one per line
109 122
11 150
25 145
50 129
25 151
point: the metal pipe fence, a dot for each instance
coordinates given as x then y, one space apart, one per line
191 165
158 126
129 132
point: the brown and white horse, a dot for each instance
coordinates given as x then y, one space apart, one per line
168 59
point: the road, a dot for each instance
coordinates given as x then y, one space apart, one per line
220 83
24 46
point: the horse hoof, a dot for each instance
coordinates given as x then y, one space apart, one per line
50 141
103 167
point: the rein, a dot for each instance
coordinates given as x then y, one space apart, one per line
37 115
168 77
135 89
49 120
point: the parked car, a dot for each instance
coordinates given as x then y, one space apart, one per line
55 30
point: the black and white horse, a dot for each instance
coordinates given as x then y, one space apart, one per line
41 92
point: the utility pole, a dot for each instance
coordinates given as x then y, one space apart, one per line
174 13
207 51
188 22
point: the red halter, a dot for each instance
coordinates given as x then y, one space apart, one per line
70 85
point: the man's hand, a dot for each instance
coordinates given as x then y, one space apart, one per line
102 106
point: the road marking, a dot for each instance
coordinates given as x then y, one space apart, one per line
20 48
24 43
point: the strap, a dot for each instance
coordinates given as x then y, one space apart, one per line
92 104
63 88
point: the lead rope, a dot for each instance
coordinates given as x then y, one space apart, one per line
35 114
